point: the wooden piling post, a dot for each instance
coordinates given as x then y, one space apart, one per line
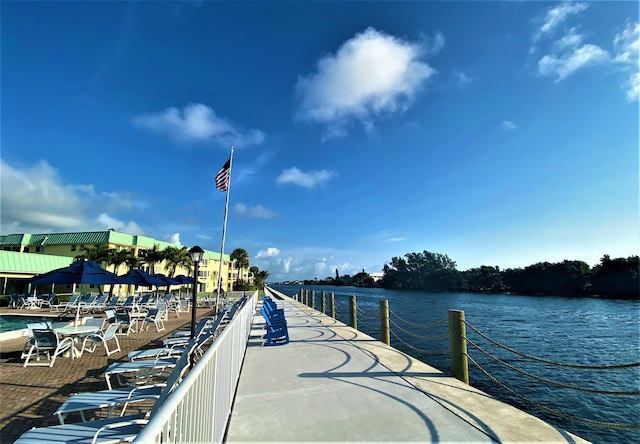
458 345
322 303
332 305
353 315
312 302
385 332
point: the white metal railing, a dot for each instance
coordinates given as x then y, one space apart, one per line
198 409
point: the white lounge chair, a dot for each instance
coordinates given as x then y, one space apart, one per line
139 369
29 343
154 316
66 306
102 338
111 399
111 430
47 343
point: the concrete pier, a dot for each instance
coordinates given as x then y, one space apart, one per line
332 383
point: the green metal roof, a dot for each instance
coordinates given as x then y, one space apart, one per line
215 256
14 262
14 239
92 237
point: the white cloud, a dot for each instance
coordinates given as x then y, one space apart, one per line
568 54
256 211
174 239
295 263
35 199
197 123
508 125
627 46
370 74
108 222
633 87
562 65
462 79
569 40
308 180
396 239
557 15
269 252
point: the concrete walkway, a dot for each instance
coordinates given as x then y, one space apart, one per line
332 383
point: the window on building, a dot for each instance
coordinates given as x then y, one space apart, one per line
73 247
39 249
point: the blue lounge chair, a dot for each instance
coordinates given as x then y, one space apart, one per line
15 301
277 332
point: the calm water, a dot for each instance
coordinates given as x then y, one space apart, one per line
583 331
9 323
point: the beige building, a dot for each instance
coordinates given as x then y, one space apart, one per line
56 250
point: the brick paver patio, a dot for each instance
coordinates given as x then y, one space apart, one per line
29 396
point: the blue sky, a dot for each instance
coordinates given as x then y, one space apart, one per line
498 133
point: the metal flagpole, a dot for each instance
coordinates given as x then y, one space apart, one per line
224 232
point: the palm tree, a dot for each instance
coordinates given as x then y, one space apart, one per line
260 278
132 262
253 271
177 257
97 253
117 258
241 258
152 257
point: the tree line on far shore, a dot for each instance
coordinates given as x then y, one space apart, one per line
612 278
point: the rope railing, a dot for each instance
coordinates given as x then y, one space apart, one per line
421 350
548 381
442 336
559 364
604 424
610 425
368 313
412 324
366 325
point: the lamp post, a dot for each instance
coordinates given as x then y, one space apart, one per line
196 254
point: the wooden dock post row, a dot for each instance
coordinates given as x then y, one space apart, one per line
457 330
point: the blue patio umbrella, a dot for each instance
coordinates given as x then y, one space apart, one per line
79 272
167 280
184 280
142 278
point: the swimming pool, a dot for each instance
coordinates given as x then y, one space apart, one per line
17 322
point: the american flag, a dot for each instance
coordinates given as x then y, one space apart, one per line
223 176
